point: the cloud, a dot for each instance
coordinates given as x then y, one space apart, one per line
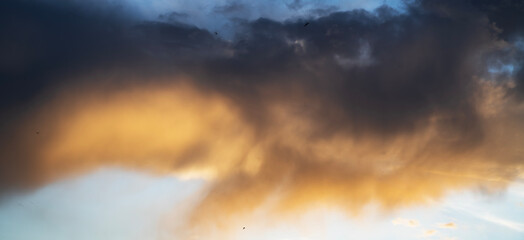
488 217
404 115
405 222
429 233
447 225
516 226
230 8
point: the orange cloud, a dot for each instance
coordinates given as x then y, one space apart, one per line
429 233
286 164
447 225
406 222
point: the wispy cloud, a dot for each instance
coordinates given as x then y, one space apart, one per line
517 226
406 222
488 217
429 233
447 225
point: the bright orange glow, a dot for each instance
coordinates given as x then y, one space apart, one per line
184 130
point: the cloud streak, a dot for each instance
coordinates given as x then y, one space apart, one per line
517 226
448 225
405 222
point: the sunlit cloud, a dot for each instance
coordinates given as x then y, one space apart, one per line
406 222
191 132
429 233
298 105
447 225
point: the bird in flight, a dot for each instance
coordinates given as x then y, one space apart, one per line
307 23
244 228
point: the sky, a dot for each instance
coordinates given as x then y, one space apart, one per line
114 203
242 119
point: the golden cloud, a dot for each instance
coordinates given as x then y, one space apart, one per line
183 129
429 233
406 222
447 225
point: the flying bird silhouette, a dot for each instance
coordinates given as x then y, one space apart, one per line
307 23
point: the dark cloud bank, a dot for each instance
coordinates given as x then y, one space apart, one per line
383 73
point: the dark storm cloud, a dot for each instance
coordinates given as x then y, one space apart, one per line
375 71
379 73
505 14
508 17
45 44
174 16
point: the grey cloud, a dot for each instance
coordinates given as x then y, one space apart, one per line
418 64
